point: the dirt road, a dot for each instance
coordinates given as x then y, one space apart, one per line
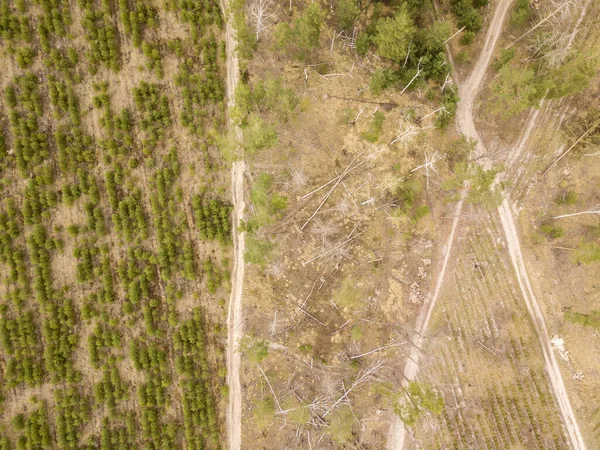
537 317
465 123
234 316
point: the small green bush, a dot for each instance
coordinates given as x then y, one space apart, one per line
552 231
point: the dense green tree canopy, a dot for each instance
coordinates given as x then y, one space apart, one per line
394 35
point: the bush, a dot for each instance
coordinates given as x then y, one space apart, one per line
258 135
552 231
589 320
256 349
348 296
467 38
450 103
341 424
566 198
467 14
521 13
506 55
383 79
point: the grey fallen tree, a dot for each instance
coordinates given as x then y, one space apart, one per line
594 211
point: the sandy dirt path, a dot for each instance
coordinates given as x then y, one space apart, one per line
234 316
537 317
465 123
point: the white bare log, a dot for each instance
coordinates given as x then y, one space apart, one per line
594 211
442 108
450 38
397 344
419 70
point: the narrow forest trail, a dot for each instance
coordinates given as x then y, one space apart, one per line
465 123
234 316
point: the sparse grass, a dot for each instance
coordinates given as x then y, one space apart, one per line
375 127
263 413
589 320
257 250
348 295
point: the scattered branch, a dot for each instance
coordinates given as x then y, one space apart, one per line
362 377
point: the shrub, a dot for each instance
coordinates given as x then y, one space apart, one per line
375 127
513 90
467 38
383 79
521 13
24 57
552 231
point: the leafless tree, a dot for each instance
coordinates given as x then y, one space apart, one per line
260 15
324 229
429 165
275 269
558 31
298 178
344 206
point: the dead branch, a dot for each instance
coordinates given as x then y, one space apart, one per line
450 38
311 316
270 387
545 19
362 377
566 152
487 348
320 255
378 349
384 105
419 70
346 171
594 211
